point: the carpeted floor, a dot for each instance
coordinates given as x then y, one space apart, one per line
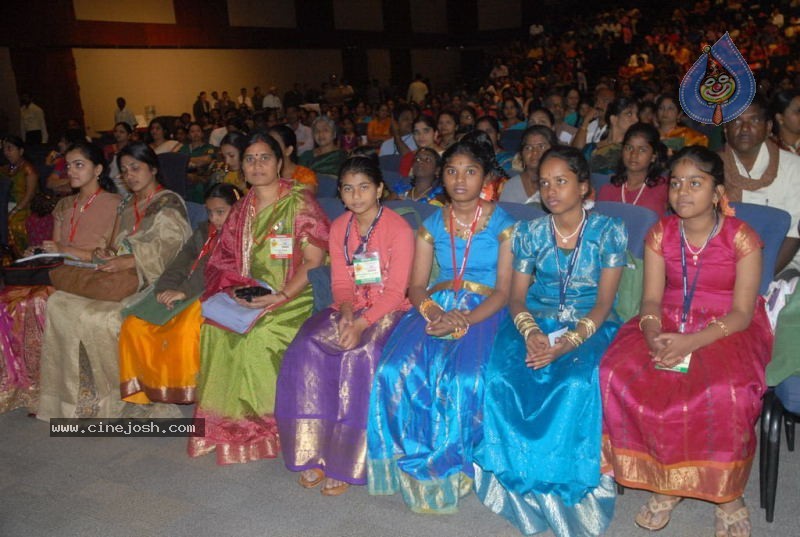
143 487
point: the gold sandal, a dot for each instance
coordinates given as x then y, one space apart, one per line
654 507
319 475
726 521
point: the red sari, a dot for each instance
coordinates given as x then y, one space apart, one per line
689 434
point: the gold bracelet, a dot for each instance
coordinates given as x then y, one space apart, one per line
424 306
458 333
589 325
528 325
722 325
649 317
574 338
523 317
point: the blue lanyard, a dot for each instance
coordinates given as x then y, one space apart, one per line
564 279
362 241
688 294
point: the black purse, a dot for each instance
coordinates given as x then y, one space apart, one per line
43 203
32 272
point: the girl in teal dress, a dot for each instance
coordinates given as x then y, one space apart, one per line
539 462
425 406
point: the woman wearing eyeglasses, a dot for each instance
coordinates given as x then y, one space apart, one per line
524 187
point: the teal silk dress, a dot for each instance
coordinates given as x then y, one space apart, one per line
538 464
425 406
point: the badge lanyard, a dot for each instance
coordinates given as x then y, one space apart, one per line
564 279
688 294
73 222
362 241
458 276
204 251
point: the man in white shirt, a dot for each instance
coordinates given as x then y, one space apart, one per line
271 99
33 128
123 115
402 141
417 91
244 99
305 140
748 157
594 125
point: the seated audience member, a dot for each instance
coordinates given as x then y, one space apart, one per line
349 140
512 115
82 222
230 172
426 401
695 355
238 371
542 393
326 157
160 141
24 181
491 127
639 178
647 112
123 134
402 140
201 154
447 126
758 171
572 98
379 128
158 363
291 170
620 115
466 120
425 135
785 112
305 138
564 132
80 362
592 124
674 135
524 187
322 399
425 185
540 116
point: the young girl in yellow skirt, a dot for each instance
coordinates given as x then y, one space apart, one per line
159 362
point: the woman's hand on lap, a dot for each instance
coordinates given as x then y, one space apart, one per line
675 347
170 297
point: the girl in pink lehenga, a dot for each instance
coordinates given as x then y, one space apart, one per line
82 222
688 432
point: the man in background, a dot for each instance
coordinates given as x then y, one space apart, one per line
33 128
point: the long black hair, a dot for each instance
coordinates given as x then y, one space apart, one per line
94 154
227 192
655 171
143 153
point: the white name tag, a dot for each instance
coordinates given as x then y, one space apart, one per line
367 268
552 336
280 246
680 367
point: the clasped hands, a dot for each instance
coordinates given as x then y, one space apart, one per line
350 329
443 323
669 348
539 351
111 262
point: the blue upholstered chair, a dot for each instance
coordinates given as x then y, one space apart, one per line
327 186
771 224
638 221
173 170
599 179
390 163
197 214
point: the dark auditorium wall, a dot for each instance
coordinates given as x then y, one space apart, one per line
81 63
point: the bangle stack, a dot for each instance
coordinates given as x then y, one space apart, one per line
650 317
425 308
721 325
574 338
588 325
526 324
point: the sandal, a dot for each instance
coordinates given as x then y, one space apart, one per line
738 521
341 488
319 475
650 511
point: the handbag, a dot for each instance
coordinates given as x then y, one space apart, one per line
32 272
94 284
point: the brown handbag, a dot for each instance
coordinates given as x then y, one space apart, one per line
91 283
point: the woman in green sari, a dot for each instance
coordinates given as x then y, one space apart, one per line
326 157
274 236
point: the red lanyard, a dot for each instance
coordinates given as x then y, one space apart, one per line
458 277
73 222
136 212
207 247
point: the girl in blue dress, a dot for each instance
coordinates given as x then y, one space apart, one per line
538 464
425 406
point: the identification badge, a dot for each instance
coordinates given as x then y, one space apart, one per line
280 246
367 268
680 367
552 336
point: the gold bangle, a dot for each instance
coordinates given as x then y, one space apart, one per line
574 338
589 325
424 306
722 326
458 333
649 317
